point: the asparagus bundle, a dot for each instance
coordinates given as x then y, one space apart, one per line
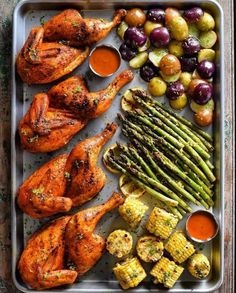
167 156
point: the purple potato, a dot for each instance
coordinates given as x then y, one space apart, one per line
202 93
126 52
156 15
175 90
148 71
160 37
191 46
206 69
188 64
193 14
134 37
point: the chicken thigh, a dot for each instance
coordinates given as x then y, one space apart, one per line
70 27
39 62
83 247
41 264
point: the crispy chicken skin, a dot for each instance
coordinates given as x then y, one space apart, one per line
54 118
41 264
69 26
86 178
46 129
67 180
39 62
41 195
72 94
83 247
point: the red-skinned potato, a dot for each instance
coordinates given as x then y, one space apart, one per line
170 13
170 65
203 118
135 17
192 85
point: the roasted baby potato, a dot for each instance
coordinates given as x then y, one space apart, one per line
199 266
179 28
206 22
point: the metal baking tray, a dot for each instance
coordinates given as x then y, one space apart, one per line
28 14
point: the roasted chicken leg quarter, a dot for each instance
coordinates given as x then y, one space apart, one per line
46 129
54 118
39 62
83 247
86 178
69 26
41 264
73 95
66 180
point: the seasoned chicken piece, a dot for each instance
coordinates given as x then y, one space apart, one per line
41 195
45 129
65 180
54 118
83 247
69 26
40 62
86 178
41 264
72 94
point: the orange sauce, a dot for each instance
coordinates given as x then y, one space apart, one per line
105 60
201 226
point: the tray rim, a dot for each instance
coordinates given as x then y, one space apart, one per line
14 127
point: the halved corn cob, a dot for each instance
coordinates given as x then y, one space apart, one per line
166 272
199 266
132 211
119 243
149 248
161 223
179 247
129 273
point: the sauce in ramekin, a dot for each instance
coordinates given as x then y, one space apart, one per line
201 226
104 60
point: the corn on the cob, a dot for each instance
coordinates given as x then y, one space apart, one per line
166 272
199 266
132 211
129 273
149 248
179 247
119 243
161 223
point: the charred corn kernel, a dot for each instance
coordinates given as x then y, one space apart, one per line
179 247
199 266
132 211
129 273
119 243
161 223
149 248
166 272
